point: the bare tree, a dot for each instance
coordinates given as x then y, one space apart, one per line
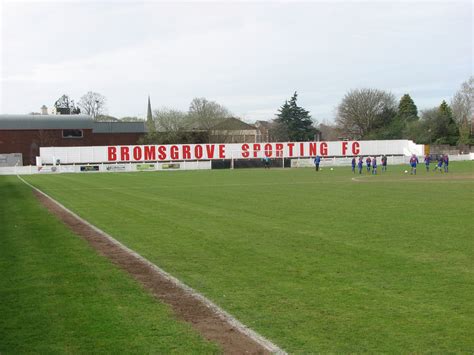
204 114
462 103
169 127
329 131
92 104
363 110
462 106
169 120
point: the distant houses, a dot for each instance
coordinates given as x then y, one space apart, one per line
25 134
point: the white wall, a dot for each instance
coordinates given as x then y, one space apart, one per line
135 153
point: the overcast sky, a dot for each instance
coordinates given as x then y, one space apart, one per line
247 56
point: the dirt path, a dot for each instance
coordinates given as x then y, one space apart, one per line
211 322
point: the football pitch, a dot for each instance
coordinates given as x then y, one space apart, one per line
314 261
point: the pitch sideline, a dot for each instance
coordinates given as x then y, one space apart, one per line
223 315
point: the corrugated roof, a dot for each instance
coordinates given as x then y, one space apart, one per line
35 122
119 127
24 122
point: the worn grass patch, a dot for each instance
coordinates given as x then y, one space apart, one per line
313 261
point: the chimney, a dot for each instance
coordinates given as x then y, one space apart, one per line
44 110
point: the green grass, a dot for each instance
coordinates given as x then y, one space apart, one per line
58 296
314 261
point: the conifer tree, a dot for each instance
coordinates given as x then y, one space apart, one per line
294 121
407 110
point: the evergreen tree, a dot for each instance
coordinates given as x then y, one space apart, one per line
449 130
295 123
407 110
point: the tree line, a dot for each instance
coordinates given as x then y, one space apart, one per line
375 114
362 114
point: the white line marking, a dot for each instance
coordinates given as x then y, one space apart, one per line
412 178
259 339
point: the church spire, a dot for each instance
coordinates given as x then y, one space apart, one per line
149 118
148 114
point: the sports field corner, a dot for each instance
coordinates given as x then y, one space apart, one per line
320 261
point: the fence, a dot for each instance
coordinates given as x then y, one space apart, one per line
196 165
104 168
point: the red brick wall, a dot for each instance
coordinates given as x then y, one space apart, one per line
27 142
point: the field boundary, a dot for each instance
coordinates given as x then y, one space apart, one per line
422 177
255 342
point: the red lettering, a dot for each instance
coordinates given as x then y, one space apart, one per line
268 150
124 153
290 149
186 152
137 153
312 149
301 149
111 153
174 154
150 152
161 152
198 151
245 152
210 151
323 148
344 148
279 149
256 149
221 151
355 148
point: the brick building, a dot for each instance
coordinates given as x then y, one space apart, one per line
25 134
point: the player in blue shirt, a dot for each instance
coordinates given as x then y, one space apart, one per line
368 161
353 164
427 162
317 160
439 165
413 162
374 166
360 164
446 163
384 163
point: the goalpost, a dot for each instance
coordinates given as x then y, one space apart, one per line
276 157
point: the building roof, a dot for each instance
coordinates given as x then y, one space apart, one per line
25 122
37 122
232 124
119 127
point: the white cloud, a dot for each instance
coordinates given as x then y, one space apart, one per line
247 56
